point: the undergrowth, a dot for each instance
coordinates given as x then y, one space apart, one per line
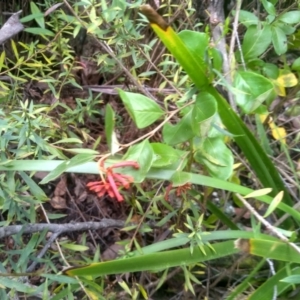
117 132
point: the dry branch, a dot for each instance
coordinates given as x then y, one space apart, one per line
60 228
11 27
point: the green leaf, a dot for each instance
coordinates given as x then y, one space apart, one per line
109 130
26 252
216 157
68 140
161 174
15 50
271 249
287 29
256 41
279 40
266 290
197 43
182 239
2 58
125 287
165 155
221 215
290 17
74 247
142 110
143 154
180 178
181 132
16 284
39 31
177 47
247 18
55 216
83 151
271 70
32 17
217 59
74 161
258 193
262 136
277 199
156 261
292 279
269 7
203 112
36 11
60 278
296 65
34 187
252 90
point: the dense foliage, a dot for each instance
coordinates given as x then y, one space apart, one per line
147 146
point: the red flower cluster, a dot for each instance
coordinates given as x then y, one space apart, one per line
183 189
179 190
113 181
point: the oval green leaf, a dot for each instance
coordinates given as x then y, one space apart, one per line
202 114
165 155
179 133
279 40
141 109
216 157
256 41
143 154
290 17
252 90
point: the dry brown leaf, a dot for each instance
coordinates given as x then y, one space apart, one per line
80 190
58 202
296 122
52 9
61 187
111 252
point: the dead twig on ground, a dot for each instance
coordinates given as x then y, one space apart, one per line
11 27
60 228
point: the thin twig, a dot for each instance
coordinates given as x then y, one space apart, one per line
286 215
81 215
43 251
54 239
234 34
217 20
272 270
51 240
269 227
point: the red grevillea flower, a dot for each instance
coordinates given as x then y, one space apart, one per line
179 190
183 189
113 181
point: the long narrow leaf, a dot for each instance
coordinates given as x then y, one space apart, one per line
269 249
205 237
156 261
266 290
197 68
